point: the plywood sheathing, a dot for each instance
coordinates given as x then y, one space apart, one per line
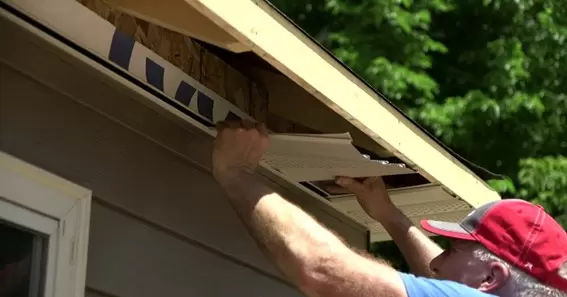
193 59
213 73
259 97
247 92
237 87
175 48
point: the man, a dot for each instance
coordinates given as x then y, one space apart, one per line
510 248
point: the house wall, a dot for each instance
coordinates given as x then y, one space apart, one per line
160 225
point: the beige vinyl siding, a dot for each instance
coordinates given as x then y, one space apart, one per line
193 222
57 134
154 263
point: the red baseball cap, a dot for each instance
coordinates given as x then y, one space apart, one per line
517 231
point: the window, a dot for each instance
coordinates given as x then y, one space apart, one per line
20 251
43 230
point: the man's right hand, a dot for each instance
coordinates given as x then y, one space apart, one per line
238 147
371 194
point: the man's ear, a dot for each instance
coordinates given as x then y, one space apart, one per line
563 270
496 277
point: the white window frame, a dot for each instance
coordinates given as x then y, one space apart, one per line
38 200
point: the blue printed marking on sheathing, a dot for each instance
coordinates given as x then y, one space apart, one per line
121 49
205 106
185 93
231 116
154 74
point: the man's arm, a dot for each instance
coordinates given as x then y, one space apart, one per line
417 248
313 258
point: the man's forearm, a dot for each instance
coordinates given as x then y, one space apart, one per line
289 236
417 248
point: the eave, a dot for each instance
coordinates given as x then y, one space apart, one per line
301 72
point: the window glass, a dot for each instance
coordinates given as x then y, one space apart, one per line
21 265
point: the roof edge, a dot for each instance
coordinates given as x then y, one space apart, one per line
289 49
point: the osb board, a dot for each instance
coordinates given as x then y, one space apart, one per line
189 56
259 102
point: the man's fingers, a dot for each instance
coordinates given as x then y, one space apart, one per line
244 125
262 128
234 124
221 125
375 182
248 124
351 184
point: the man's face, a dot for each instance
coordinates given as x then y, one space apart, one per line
458 264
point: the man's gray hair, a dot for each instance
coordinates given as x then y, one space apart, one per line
523 284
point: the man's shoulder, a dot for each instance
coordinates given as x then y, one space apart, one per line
427 287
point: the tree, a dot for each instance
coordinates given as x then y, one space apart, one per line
386 42
485 77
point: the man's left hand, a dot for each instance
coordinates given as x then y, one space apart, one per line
238 147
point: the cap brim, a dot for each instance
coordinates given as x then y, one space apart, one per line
446 229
